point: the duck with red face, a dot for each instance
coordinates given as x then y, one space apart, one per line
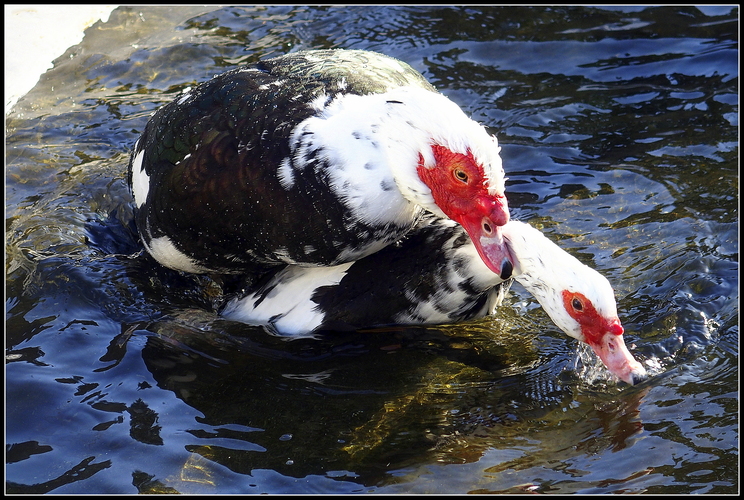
309 161
436 275
576 297
315 158
459 187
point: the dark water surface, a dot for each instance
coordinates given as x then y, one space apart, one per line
619 133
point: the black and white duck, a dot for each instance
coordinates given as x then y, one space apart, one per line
319 157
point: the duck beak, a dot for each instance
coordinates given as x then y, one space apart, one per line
487 235
612 351
493 249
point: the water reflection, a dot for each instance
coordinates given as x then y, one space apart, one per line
454 400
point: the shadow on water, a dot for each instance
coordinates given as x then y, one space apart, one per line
619 135
309 406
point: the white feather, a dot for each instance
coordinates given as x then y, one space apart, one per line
140 179
288 307
375 140
164 251
546 270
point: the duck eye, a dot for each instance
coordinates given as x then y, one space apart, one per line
461 175
576 303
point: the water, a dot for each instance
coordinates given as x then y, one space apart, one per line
619 133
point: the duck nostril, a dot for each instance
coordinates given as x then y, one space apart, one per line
487 228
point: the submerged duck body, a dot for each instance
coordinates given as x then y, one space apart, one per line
432 276
315 158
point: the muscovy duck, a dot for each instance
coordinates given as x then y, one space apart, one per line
319 157
435 275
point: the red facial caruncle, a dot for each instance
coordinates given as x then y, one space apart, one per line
604 334
459 187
